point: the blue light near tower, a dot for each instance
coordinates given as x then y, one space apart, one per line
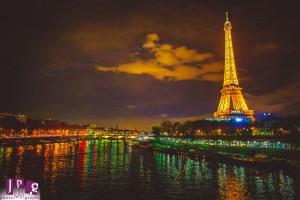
238 119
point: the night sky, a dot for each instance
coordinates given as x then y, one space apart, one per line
135 63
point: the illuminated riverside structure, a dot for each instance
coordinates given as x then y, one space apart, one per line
20 117
232 103
62 134
261 144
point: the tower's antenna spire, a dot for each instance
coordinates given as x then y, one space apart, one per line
227 20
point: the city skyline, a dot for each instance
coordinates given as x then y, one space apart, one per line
136 64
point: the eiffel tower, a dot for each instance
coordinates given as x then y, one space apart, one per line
232 103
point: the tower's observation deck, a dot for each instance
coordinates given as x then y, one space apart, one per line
232 103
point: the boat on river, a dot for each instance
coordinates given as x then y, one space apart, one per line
146 144
257 160
132 142
294 164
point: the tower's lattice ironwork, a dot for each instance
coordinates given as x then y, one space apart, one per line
232 103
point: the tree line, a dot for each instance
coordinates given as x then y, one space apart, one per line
272 125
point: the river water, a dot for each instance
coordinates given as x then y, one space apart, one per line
108 169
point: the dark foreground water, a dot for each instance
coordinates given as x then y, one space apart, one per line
104 169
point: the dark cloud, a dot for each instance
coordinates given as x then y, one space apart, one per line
266 47
49 50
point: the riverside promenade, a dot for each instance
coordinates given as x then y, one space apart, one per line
276 149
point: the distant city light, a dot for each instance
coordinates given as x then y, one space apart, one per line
238 119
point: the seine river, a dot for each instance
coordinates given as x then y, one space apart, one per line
108 169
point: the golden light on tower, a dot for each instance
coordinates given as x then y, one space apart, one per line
232 102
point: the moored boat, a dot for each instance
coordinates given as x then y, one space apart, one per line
146 144
258 160
132 142
294 164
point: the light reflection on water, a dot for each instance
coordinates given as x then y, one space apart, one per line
105 169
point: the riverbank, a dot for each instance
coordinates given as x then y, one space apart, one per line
287 162
273 158
4 142
250 148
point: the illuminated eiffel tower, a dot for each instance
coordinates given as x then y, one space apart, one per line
232 103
